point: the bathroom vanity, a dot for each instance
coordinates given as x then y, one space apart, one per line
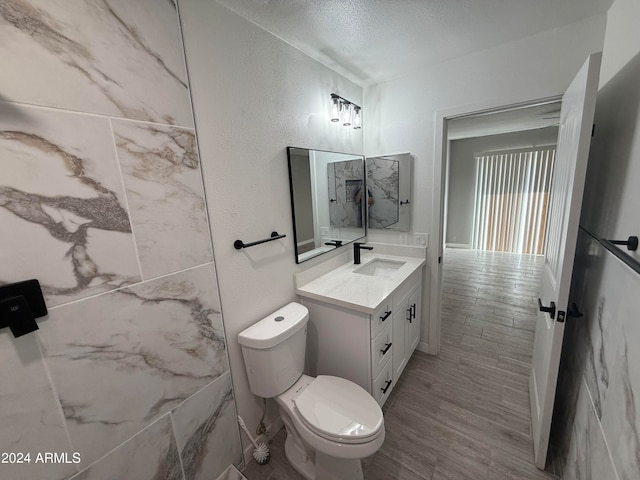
364 321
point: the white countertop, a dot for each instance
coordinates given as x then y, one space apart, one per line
364 293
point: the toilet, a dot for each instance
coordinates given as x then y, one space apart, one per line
331 422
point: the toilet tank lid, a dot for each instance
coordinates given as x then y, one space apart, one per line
276 327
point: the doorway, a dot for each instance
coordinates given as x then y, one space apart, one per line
497 176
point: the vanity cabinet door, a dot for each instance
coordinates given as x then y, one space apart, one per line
399 337
412 326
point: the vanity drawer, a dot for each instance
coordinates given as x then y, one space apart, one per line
381 318
381 350
383 384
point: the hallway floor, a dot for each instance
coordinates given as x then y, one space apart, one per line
465 413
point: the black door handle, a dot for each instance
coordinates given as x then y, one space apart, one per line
386 349
386 315
551 310
574 312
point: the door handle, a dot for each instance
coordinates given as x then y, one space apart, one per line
386 387
574 312
386 349
551 310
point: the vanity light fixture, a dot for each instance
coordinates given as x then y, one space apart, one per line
335 107
342 110
346 115
357 118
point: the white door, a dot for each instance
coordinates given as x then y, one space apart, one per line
574 138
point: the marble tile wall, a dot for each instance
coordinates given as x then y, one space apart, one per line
101 199
596 426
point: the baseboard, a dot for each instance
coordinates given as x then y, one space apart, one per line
273 428
458 245
425 348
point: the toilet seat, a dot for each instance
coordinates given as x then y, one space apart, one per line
339 410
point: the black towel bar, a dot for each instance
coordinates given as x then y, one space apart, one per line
618 252
239 244
631 242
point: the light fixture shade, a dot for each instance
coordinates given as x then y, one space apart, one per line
346 114
357 118
335 108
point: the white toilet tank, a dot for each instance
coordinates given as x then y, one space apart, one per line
274 350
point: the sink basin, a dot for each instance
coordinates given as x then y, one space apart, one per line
379 267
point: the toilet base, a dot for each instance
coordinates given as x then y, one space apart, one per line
299 459
332 468
318 466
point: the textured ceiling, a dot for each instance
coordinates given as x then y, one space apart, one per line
370 41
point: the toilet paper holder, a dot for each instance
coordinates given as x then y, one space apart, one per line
20 304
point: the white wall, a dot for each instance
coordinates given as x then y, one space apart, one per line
254 95
462 174
401 114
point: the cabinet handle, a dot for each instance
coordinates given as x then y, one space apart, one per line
385 316
413 311
386 348
386 387
409 313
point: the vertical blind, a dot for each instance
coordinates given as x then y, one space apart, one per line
511 200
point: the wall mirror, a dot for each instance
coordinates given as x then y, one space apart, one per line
389 191
328 200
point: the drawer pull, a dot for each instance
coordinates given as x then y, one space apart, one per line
386 315
386 387
413 312
386 348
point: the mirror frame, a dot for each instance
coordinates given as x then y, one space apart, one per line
321 250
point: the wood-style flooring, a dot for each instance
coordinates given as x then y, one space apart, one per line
463 414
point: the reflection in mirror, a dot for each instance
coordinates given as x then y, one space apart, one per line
326 200
389 190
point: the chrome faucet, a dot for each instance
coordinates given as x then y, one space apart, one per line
357 246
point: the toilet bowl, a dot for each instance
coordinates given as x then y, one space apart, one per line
331 422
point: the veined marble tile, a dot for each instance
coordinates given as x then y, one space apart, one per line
163 180
588 456
121 360
345 180
30 419
621 411
62 207
383 180
206 430
602 304
151 454
114 57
